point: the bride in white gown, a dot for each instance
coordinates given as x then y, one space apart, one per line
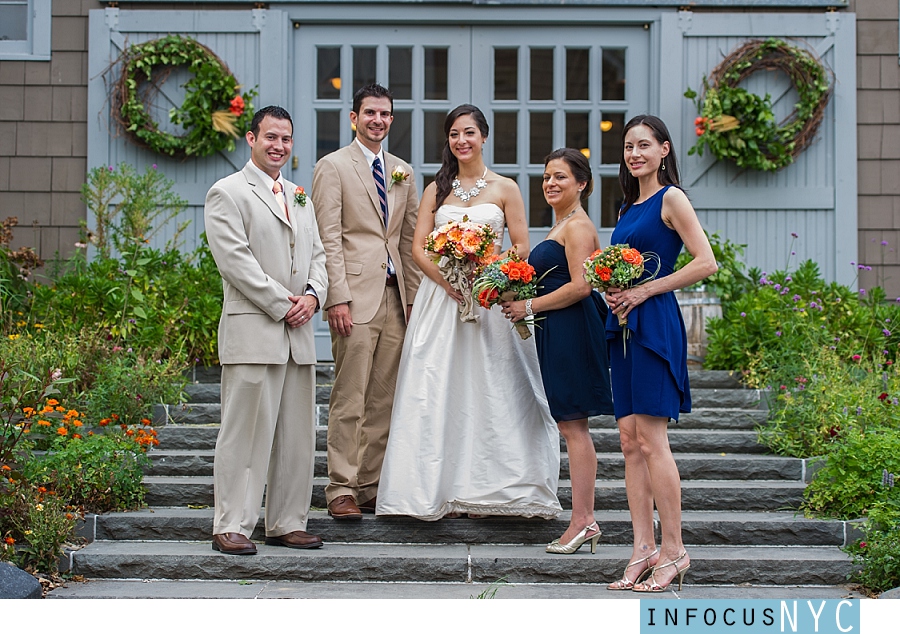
471 431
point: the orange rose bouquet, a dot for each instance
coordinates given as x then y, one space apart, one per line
459 248
506 280
618 266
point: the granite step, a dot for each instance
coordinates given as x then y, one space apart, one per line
447 563
696 495
209 394
203 437
609 465
701 528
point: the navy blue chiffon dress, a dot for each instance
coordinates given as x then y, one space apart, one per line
571 343
649 375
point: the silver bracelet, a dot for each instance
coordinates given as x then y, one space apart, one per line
528 310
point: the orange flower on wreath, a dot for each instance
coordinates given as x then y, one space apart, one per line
237 106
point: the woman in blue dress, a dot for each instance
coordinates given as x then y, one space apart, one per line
649 377
571 341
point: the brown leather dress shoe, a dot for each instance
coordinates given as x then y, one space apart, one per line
344 507
295 539
368 507
233 544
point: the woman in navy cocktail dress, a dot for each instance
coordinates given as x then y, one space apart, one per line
649 380
571 341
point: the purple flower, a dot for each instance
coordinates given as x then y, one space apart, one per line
743 314
884 243
868 268
793 253
888 320
788 279
777 333
861 267
778 287
796 298
111 168
886 332
794 235
859 411
862 291
153 166
814 305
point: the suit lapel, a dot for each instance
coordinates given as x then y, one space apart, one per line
365 176
393 209
264 194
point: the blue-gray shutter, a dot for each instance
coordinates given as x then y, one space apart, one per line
254 46
814 197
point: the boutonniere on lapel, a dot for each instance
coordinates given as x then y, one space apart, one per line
300 196
398 175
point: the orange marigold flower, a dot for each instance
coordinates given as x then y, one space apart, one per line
6 468
46 409
90 433
60 408
10 541
76 435
28 411
62 431
104 422
129 432
115 417
44 423
123 426
77 423
72 413
69 516
146 421
42 489
52 401
155 442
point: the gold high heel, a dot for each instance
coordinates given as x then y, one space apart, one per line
653 586
627 584
577 542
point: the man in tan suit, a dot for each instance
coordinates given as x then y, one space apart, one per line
366 205
267 247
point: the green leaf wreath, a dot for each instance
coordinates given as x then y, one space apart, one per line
214 112
739 125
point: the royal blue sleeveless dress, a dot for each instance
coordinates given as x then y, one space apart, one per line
649 376
571 343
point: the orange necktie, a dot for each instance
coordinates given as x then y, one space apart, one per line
278 190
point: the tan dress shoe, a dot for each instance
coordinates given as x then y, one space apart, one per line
233 544
295 539
344 507
368 507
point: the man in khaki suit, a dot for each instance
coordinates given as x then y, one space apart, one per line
267 247
366 205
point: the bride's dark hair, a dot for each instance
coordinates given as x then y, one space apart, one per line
449 164
668 172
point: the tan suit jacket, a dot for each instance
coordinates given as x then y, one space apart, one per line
263 259
356 241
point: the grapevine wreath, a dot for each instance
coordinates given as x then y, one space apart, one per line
739 125
214 112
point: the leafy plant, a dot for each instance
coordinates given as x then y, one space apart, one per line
16 267
849 483
129 208
35 523
877 555
730 280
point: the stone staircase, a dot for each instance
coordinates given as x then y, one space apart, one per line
740 523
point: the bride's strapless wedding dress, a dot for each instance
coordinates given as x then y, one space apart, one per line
471 430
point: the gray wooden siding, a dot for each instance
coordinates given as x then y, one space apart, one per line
236 37
814 197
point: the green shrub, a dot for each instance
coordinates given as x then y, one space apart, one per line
35 523
817 397
849 483
98 473
878 553
730 280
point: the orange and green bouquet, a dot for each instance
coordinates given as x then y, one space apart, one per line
618 266
459 248
505 280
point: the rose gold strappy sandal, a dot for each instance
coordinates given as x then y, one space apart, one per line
627 584
653 586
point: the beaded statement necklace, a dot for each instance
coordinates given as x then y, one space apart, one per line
464 195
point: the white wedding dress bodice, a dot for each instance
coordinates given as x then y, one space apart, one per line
471 430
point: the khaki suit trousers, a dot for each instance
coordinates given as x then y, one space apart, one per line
266 442
359 413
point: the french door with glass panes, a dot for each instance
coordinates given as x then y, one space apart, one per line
540 88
